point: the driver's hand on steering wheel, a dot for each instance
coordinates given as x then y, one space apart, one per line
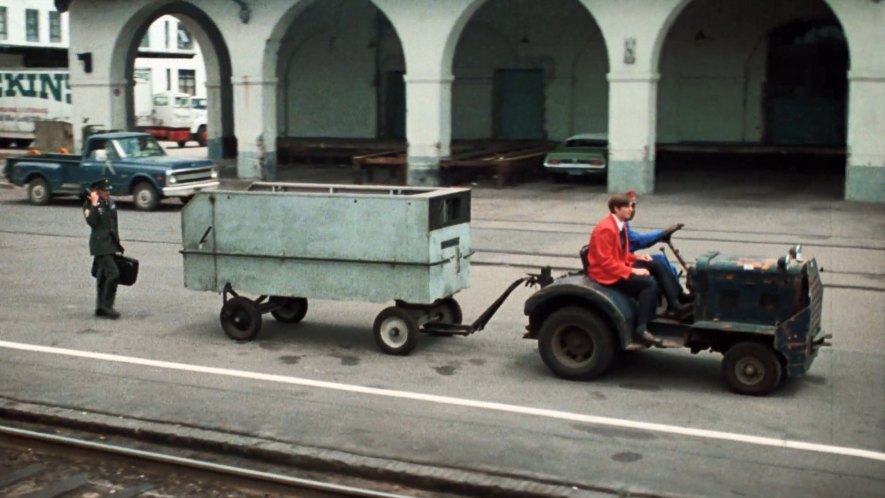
670 229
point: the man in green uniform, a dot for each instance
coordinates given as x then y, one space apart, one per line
100 212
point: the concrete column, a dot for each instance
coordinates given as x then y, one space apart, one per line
428 125
865 173
631 131
214 142
255 127
108 108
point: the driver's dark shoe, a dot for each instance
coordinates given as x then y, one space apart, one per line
649 338
686 298
683 312
107 313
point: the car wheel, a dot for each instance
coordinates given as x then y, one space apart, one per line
201 136
38 191
751 368
145 196
576 344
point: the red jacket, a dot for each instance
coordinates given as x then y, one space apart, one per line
608 263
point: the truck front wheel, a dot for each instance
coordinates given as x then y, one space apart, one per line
751 368
38 191
145 196
576 344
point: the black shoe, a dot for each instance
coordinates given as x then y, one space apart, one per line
650 339
683 312
686 298
107 313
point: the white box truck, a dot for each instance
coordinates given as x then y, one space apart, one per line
28 96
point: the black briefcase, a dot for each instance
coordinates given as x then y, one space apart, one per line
128 269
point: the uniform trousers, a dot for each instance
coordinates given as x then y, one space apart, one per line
106 277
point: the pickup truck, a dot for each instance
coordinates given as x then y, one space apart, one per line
134 162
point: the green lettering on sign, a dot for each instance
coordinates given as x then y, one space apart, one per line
47 86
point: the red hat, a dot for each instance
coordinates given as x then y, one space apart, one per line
631 194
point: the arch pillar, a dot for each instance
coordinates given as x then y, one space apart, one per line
428 125
634 31
865 169
632 132
256 126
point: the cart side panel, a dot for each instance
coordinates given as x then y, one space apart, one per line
197 233
329 246
343 281
451 245
321 227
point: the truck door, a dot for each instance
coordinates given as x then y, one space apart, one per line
98 163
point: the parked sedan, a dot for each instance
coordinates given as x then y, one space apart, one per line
584 154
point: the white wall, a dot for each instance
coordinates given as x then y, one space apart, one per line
161 67
328 72
558 36
15 21
713 68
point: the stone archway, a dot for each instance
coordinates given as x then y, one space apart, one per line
221 139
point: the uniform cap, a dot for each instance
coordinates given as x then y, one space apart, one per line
103 184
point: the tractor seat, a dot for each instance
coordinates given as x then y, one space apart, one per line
585 264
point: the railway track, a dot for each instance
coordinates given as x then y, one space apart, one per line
37 464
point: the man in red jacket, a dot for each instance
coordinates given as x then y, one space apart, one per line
612 264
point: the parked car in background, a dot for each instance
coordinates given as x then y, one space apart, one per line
583 154
134 162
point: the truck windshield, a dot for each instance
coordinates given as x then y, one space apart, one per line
143 146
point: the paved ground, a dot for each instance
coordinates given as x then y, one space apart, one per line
363 420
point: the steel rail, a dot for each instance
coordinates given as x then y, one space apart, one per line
197 464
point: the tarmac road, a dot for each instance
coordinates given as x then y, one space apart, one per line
482 407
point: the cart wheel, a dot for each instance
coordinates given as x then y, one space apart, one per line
396 331
576 344
290 309
449 311
751 368
240 319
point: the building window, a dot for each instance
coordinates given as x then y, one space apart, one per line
185 42
143 73
54 26
166 35
2 23
146 40
32 25
187 81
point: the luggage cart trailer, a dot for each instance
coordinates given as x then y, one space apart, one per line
288 242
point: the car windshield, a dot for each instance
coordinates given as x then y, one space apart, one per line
199 103
141 146
586 142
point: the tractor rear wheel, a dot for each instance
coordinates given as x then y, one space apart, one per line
576 344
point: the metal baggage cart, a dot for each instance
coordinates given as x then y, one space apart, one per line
290 242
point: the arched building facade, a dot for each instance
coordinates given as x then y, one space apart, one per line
646 72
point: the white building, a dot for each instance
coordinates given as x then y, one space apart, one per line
33 33
773 73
